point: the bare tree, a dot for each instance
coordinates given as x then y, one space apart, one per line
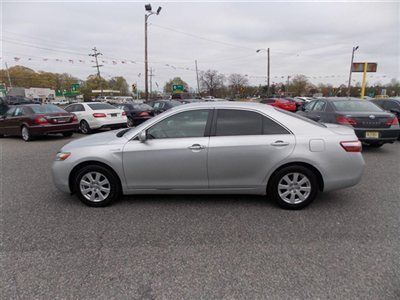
237 82
211 81
299 84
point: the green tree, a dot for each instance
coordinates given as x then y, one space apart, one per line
93 82
175 81
119 83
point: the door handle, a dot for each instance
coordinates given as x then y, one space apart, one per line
196 147
279 143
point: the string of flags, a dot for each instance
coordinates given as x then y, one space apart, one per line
115 62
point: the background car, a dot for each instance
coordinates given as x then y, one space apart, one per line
30 120
96 115
372 125
163 105
18 100
281 103
229 148
299 102
136 113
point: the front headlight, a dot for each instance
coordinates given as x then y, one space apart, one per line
62 155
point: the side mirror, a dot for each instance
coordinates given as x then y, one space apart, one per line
142 136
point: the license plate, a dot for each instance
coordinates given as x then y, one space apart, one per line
372 134
113 115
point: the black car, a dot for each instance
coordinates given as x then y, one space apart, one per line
136 113
372 125
163 105
18 100
3 106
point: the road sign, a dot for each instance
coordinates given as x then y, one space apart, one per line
359 67
177 88
74 87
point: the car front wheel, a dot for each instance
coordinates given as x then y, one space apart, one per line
293 187
96 186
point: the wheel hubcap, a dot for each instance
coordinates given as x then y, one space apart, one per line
294 188
25 133
95 186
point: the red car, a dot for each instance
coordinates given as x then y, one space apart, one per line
281 103
31 120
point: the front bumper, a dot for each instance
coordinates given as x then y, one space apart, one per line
386 135
53 128
60 173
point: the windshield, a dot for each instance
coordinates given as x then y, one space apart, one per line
356 106
47 108
99 106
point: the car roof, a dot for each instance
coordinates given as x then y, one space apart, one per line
341 98
226 104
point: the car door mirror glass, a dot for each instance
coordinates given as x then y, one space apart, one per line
142 136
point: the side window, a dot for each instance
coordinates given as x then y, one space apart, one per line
182 125
79 107
18 112
10 112
238 122
156 104
319 106
392 105
271 127
70 108
309 106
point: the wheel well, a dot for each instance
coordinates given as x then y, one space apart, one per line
306 165
89 163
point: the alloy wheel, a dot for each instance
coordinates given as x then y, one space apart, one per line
95 187
294 188
25 134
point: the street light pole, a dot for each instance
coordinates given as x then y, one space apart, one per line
351 67
149 12
268 66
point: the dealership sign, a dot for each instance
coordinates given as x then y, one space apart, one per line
359 67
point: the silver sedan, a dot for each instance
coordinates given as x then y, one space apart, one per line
213 148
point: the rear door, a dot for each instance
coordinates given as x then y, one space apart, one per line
244 146
6 122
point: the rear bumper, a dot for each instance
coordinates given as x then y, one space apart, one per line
114 125
386 135
108 123
57 128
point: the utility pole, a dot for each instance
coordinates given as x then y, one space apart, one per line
287 85
351 68
8 75
268 73
149 12
95 54
197 77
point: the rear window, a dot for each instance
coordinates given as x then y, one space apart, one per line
99 106
47 108
355 106
142 106
175 103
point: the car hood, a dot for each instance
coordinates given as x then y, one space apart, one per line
105 138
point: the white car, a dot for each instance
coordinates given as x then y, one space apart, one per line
96 115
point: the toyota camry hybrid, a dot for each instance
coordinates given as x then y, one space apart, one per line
213 148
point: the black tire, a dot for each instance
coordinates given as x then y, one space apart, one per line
25 134
290 171
129 123
114 185
67 134
84 127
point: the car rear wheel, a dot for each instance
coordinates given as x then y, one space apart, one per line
26 135
96 186
84 127
130 123
293 187
67 134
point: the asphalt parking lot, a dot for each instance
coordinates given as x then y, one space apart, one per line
345 245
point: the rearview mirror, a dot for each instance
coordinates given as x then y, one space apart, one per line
142 136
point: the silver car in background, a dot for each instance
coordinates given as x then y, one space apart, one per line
213 148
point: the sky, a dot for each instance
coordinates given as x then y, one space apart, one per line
310 38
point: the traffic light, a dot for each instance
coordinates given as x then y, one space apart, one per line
134 87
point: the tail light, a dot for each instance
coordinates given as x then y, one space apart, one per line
41 120
123 113
143 114
99 115
351 146
74 119
393 121
345 120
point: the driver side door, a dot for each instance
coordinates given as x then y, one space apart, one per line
174 154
